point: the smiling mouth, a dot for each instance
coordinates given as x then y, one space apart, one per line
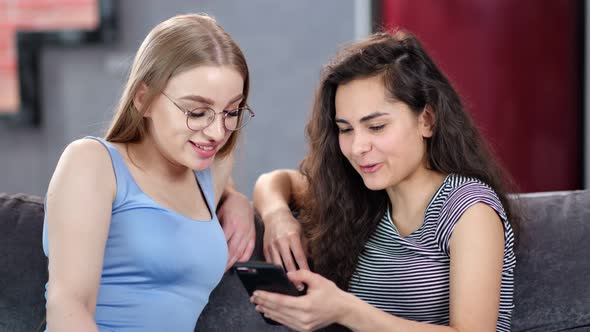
204 147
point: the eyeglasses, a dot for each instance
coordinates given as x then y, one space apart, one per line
202 117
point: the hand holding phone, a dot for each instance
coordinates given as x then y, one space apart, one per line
267 277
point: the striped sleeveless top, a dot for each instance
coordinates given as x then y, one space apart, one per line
409 276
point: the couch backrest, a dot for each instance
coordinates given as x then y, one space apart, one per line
552 275
23 266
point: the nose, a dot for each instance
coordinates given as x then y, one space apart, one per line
360 144
216 130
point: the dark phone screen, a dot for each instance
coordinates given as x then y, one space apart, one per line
265 276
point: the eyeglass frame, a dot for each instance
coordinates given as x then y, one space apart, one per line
225 113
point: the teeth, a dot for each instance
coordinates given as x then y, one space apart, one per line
206 148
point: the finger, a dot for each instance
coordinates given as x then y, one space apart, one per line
285 251
229 264
250 245
275 300
277 316
241 246
298 284
288 318
231 261
233 244
276 256
247 251
304 276
228 230
237 241
267 254
232 256
252 233
299 253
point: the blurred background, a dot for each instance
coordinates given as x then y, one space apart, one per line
520 67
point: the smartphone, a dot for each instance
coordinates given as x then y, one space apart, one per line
265 276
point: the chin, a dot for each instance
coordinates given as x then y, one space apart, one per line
200 165
374 185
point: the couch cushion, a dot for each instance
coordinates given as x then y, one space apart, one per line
552 274
23 266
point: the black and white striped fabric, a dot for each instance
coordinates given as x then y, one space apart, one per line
409 276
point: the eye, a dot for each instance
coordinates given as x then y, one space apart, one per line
233 113
377 128
343 131
198 113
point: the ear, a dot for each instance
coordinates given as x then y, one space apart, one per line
139 100
426 122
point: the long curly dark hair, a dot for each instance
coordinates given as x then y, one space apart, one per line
340 211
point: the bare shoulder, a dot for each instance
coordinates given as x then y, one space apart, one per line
87 157
86 148
86 162
479 223
480 213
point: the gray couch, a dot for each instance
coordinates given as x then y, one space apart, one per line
552 275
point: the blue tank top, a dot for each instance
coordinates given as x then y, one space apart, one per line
159 266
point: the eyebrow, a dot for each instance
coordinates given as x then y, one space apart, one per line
364 118
209 101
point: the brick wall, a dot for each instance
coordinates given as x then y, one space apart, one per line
35 15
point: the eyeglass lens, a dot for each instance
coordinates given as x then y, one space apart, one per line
233 120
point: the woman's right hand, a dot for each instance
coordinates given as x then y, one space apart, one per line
283 243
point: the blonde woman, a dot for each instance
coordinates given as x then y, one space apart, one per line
131 231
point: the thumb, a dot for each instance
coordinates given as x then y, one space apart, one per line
303 276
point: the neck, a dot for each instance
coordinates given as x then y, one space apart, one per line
411 196
146 156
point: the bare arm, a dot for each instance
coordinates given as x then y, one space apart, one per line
235 213
275 190
282 233
79 201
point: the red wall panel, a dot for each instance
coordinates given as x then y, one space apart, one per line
517 66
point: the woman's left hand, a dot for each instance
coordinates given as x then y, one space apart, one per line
236 216
321 306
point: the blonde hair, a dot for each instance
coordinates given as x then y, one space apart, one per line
172 47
